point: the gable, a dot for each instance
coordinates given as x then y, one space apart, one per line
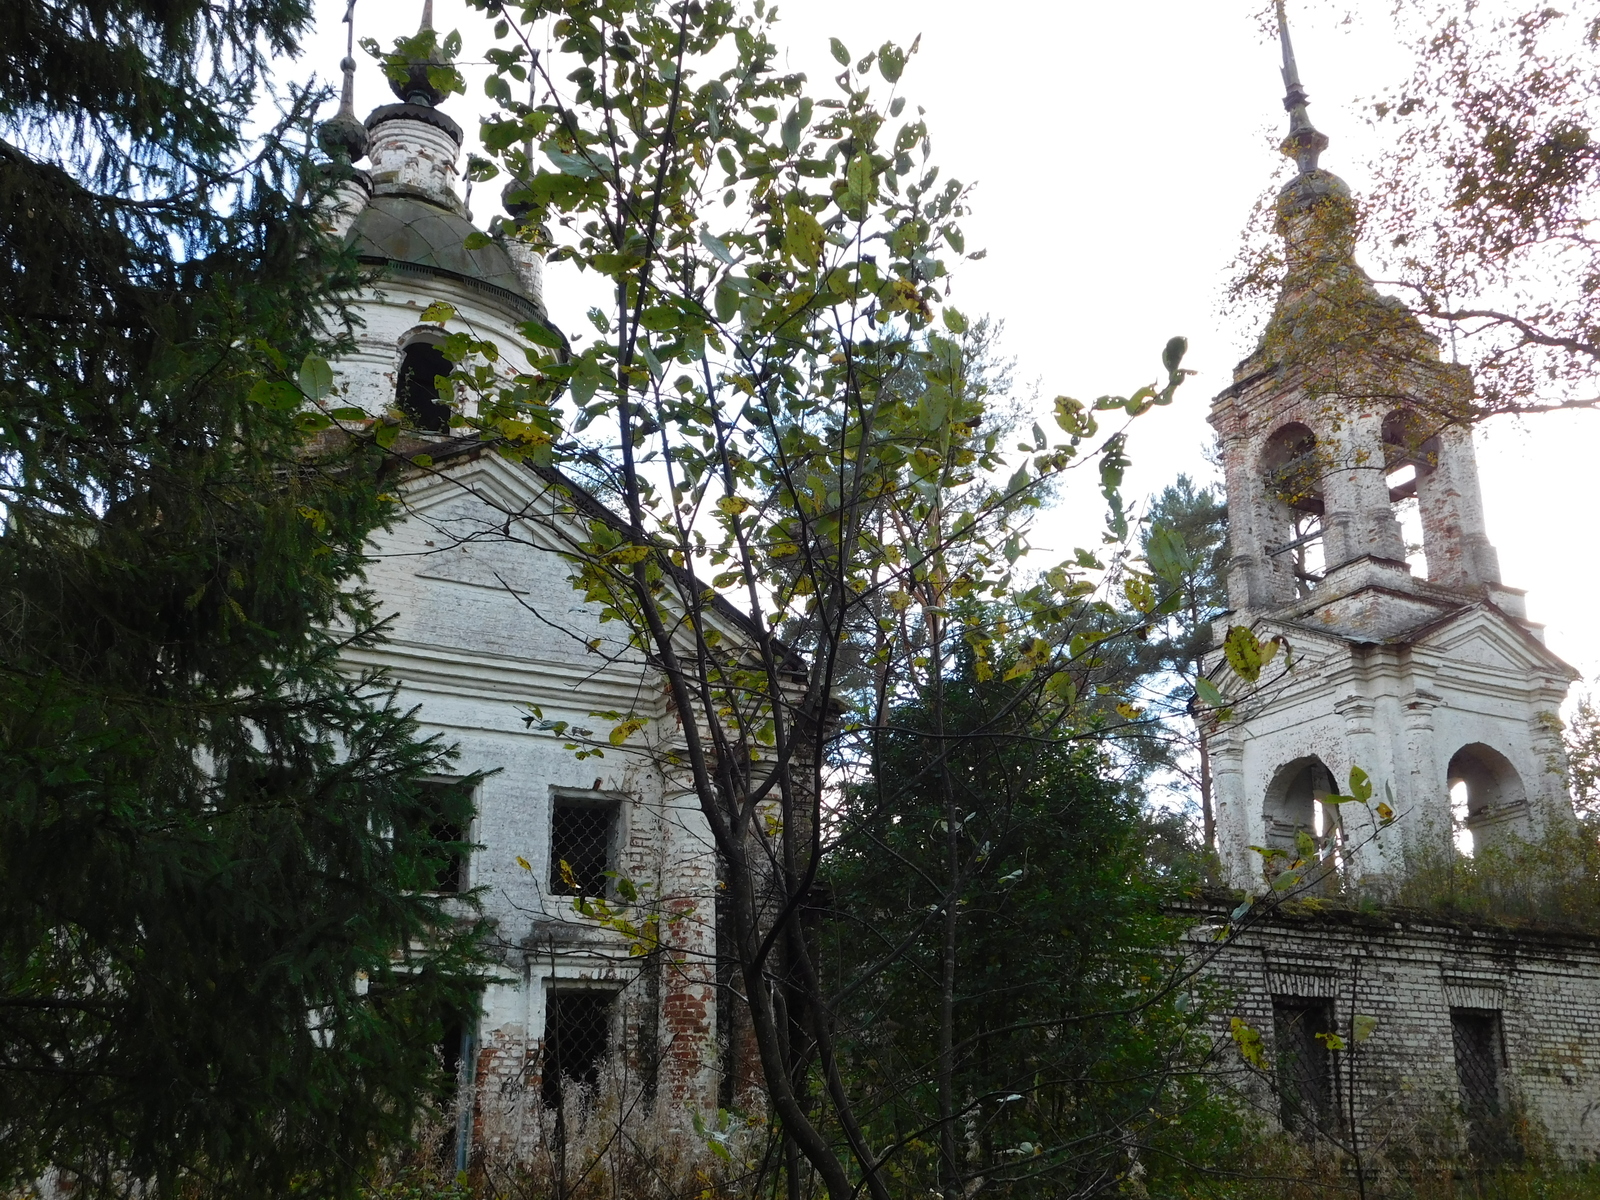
1484 636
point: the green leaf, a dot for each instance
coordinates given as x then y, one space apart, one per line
541 334
859 180
955 322
840 54
438 313
659 318
1363 1026
1360 785
1207 691
278 396
1074 418
1167 554
716 246
1172 355
795 123
316 377
1246 654
803 237
891 61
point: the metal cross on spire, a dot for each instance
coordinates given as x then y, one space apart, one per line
1305 142
345 136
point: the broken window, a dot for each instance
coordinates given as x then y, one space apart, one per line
1305 1079
582 839
1293 470
1479 1051
577 1039
417 391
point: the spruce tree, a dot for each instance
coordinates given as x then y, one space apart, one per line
223 967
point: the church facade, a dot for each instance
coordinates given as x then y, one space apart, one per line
495 649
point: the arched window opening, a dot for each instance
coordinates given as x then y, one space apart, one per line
1295 808
1485 792
1293 471
1458 818
417 393
1410 453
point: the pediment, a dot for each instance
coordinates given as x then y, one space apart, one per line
1486 637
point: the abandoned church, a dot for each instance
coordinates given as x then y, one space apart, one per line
1425 680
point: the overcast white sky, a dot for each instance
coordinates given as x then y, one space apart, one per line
1117 150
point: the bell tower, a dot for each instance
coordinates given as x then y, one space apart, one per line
1413 663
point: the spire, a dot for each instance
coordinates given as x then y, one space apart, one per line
1305 142
416 87
344 138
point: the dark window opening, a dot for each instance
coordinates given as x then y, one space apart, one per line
456 1051
581 836
1305 1066
577 1039
417 394
1479 1051
449 868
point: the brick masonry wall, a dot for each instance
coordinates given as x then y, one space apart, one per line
1407 970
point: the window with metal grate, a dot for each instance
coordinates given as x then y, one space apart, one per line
1305 1069
450 872
1476 1033
577 1038
582 834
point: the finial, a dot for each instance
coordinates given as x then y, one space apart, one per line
345 137
1305 142
416 87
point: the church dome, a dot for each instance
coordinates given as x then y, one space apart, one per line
412 233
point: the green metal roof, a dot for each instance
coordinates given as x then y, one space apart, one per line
406 229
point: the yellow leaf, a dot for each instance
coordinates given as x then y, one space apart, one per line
627 555
733 505
524 863
626 730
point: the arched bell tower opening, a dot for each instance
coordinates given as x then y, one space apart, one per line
419 392
1294 808
1410 457
1292 469
1487 798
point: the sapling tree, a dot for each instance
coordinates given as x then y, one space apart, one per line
807 495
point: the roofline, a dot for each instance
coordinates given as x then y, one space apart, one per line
471 446
514 299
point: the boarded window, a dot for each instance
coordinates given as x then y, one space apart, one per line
577 1038
1478 1047
1304 1066
582 834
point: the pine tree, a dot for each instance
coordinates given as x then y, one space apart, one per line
223 966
